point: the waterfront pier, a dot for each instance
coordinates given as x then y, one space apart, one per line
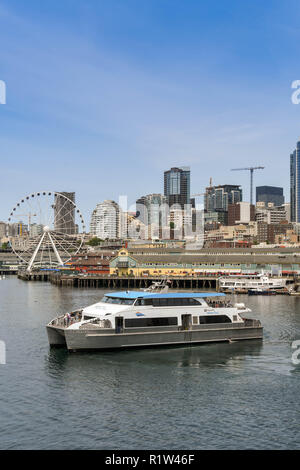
112 282
98 281
127 282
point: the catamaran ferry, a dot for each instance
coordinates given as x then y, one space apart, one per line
131 319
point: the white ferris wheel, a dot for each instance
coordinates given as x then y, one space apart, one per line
45 229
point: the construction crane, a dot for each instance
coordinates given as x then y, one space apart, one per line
29 215
251 169
203 194
199 195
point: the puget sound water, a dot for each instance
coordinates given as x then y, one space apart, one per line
217 396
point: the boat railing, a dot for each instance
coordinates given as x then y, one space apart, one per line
67 319
96 323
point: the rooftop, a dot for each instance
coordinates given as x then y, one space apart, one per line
142 294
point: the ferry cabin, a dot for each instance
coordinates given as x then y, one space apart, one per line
127 310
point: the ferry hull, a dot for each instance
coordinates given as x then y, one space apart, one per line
91 340
56 336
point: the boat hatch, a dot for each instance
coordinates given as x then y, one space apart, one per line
186 321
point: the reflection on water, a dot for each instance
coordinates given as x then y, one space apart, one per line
238 395
180 356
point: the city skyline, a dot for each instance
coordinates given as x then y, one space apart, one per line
128 206
105 96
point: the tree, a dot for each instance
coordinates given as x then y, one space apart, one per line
95 241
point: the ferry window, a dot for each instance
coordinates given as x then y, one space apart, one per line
144 322
115 300
143 302
194 301
195 320
234 317
204 320
175 302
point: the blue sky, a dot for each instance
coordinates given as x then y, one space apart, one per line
103 96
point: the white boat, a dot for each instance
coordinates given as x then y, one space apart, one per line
130 319
254 281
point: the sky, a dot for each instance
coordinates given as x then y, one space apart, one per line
103 96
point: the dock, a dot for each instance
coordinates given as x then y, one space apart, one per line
98 281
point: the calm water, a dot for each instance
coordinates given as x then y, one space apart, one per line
228 396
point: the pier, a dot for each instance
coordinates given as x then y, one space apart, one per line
127 282
42 276
114 282
8 270
100 281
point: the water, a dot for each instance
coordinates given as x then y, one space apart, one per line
227 396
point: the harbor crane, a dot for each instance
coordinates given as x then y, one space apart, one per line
251 169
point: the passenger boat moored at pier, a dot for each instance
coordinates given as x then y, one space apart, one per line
140 319
242 283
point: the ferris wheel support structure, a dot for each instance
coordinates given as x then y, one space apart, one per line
46 233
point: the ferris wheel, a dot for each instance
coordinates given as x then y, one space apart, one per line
53 230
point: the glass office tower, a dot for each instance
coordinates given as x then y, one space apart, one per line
177 182
219 197
295 184
268 194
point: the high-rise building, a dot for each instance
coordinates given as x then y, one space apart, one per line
107 221
151 211
295 184
64 213
268 194
218 198
177 182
